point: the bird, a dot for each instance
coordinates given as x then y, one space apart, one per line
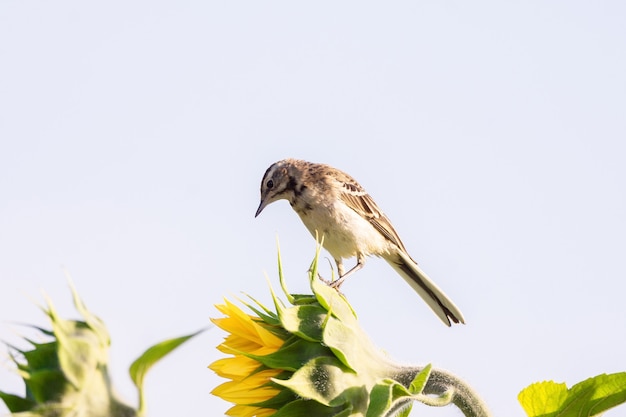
335 206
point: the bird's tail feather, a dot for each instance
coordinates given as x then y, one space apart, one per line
445 309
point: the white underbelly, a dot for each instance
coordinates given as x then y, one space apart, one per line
345 232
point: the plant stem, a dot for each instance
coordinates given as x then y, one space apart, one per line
442 382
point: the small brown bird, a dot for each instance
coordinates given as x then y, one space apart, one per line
332 204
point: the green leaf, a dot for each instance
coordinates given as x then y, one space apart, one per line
303 299
44 356
279 400
610 391
15 403
333 301
299 408
387 395
304 321
585 399
341 339
281 277
356 396
293 354
266 315
92 321
353 347
322 379
46 385
152 355
420 380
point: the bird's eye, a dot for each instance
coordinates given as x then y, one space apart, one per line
270 184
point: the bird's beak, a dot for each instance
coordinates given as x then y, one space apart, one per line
261 207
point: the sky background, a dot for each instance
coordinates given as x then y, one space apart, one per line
134 135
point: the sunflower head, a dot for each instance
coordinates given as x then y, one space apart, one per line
68 376
308 356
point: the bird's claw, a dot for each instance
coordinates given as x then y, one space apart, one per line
332 284
324 280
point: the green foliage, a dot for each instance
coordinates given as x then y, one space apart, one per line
152 355
588 398
68 376
389 398
329 367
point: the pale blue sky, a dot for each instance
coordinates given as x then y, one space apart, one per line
133 138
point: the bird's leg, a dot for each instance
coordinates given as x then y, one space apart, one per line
340 268
360 261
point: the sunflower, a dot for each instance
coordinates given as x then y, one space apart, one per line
309 356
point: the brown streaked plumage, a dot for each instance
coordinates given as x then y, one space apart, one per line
334 205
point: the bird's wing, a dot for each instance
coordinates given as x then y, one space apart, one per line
360 201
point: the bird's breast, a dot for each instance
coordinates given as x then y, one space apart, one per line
345 232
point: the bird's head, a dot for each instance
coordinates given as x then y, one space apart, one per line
279 183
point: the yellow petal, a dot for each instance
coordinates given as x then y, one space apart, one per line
245 326
237 346
241 394
250 332
250 390
249 411
236 368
